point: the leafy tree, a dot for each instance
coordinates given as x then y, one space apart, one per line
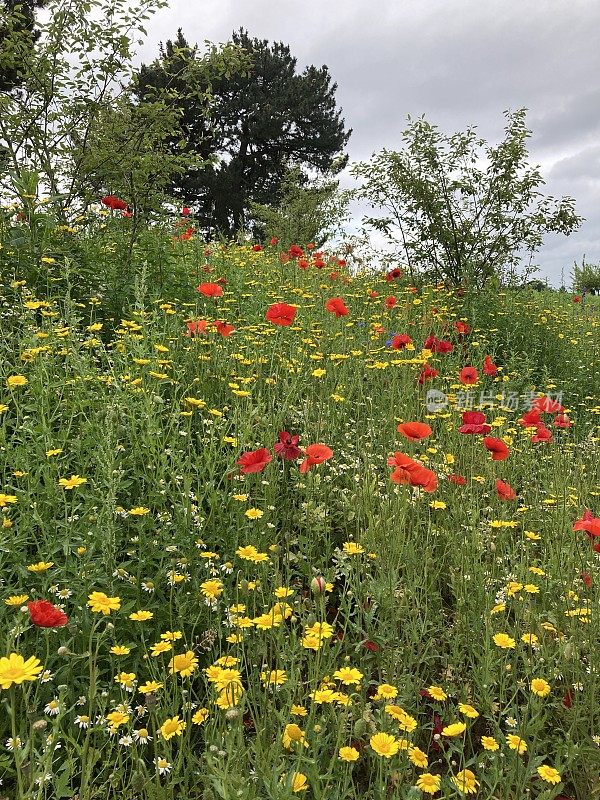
307 212
262 122
586 277
17 37
458 208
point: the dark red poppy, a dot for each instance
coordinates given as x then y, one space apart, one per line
256 248
114 203
457 479
562 421
337 306
287 446
436 345
542 434
505 491
468 375
281 314
577 299
315 454
45 615
427 373
185 211
393 274
295 251
254 460
474 422
489 368
462 328
497 448
372 647
400 341
587 579
210 290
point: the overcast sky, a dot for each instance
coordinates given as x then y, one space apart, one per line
459 62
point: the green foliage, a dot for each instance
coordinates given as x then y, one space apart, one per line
262 121
17 38
459 209
586 277
307 212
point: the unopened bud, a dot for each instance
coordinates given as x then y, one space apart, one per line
317 585
62 650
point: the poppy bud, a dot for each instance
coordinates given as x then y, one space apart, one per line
317 585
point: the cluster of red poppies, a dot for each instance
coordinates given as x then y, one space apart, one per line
287 449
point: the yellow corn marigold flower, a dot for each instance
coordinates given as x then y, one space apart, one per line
14 669
275 677
385 691
41 566
141 616
429 783
489 743
348 754
298 711
253 513
138 511
72 482
16 600
516 743
418 757
540 687
348 675
352 548
183 664
454 729
16 380
200 716
100 603
150 687
160 647
468 710
117 718
5 499
212 589
384 745
126 679
293 733
172 727
504 641
299 782
549 774
465 781
437 693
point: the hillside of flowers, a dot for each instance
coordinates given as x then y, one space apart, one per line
272 527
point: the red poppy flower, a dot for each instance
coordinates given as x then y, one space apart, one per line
45 615
256 248
337 306
210 290
474 422
438 345
254 460
411 472
542 434
400 341
315 454
462 328
393 274
427 373
196 326
489 368
414 430
577 299
296 251
547 405
303 263
457 479
114 203
390 301
588 523
185 211
562 421
287 446
567 702
273 241
373 294
372 647
281 314
587 579
497 448
318 263
505 491
531 419
224 328
468 375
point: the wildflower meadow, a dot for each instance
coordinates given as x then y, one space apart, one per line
294 529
